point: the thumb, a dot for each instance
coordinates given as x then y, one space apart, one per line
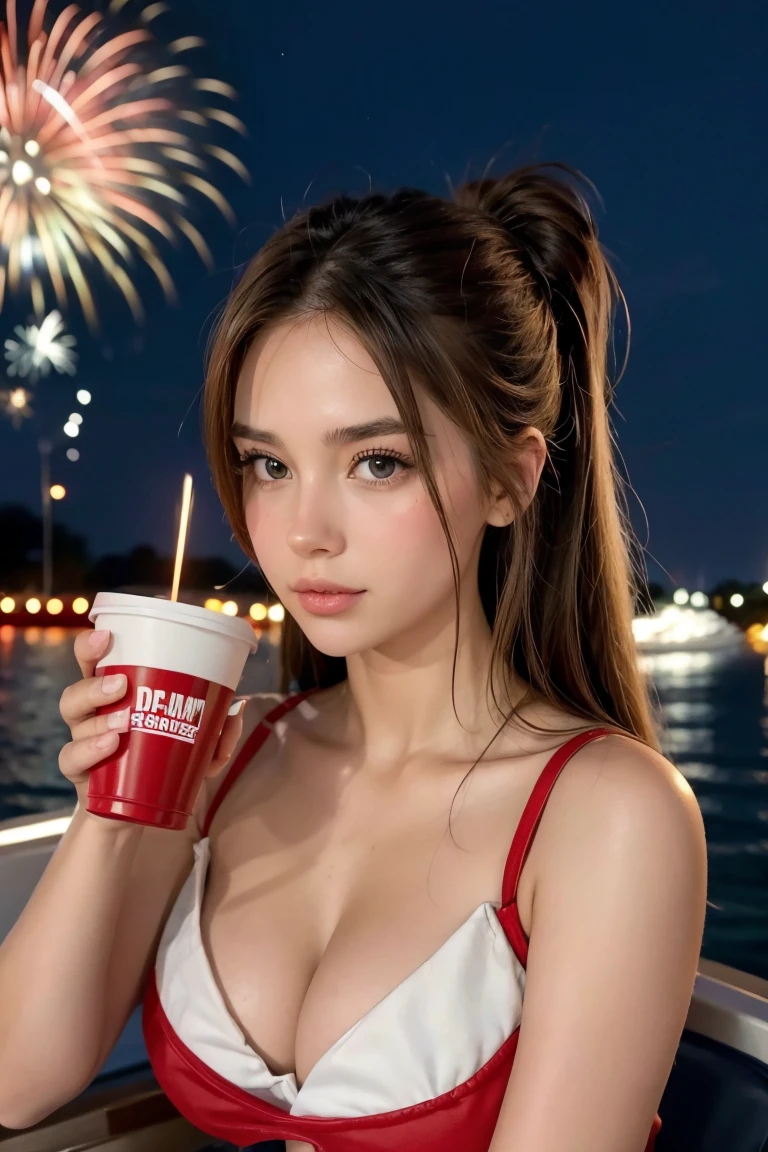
228 739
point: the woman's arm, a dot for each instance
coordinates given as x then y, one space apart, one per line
618 914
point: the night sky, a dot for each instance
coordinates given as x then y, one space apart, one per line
662 105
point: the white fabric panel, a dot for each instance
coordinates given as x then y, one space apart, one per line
427 1036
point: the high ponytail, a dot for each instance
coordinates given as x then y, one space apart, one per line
577 595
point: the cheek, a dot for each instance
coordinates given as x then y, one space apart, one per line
263 528
412 529
400 536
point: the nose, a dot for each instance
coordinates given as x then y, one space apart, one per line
316 525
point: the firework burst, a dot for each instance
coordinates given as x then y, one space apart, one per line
105 140
38 349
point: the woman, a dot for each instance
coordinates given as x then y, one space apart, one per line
407 397
407 422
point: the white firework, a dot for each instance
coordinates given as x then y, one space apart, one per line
39 349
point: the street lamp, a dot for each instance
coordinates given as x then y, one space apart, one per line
48 492
44 447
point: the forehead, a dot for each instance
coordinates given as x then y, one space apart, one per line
314 367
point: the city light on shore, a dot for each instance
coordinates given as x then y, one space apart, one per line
702 621
58 492
83 396
257 612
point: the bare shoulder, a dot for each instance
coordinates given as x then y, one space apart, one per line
623 775
621 805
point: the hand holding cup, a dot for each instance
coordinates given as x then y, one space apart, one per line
152 716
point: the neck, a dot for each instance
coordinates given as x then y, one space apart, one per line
397 699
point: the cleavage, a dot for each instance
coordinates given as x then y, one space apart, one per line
284 970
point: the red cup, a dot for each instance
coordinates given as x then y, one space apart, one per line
183 664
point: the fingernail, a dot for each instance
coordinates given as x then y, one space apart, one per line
105 740
97 637
235 709
119 719
111 684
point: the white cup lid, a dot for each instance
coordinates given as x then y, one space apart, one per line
126 604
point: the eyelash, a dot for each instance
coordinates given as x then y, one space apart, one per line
368 454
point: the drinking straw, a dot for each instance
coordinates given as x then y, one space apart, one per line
186 502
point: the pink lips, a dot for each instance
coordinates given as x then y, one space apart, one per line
327 603
320 584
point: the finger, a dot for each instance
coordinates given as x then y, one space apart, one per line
90 646
228 740
119 721
79 701
79 756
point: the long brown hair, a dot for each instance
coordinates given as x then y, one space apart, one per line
500 303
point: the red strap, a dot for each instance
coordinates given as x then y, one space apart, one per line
534 809
250 748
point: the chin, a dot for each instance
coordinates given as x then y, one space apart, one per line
334 638
334 645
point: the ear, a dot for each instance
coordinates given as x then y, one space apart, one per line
529 458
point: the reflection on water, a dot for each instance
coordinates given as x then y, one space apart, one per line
714 710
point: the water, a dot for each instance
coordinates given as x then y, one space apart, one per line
715 711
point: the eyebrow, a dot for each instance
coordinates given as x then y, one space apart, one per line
384 426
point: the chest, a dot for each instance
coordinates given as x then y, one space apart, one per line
327 889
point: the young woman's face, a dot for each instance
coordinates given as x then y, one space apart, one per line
322 504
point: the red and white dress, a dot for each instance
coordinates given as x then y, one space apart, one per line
424 1070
